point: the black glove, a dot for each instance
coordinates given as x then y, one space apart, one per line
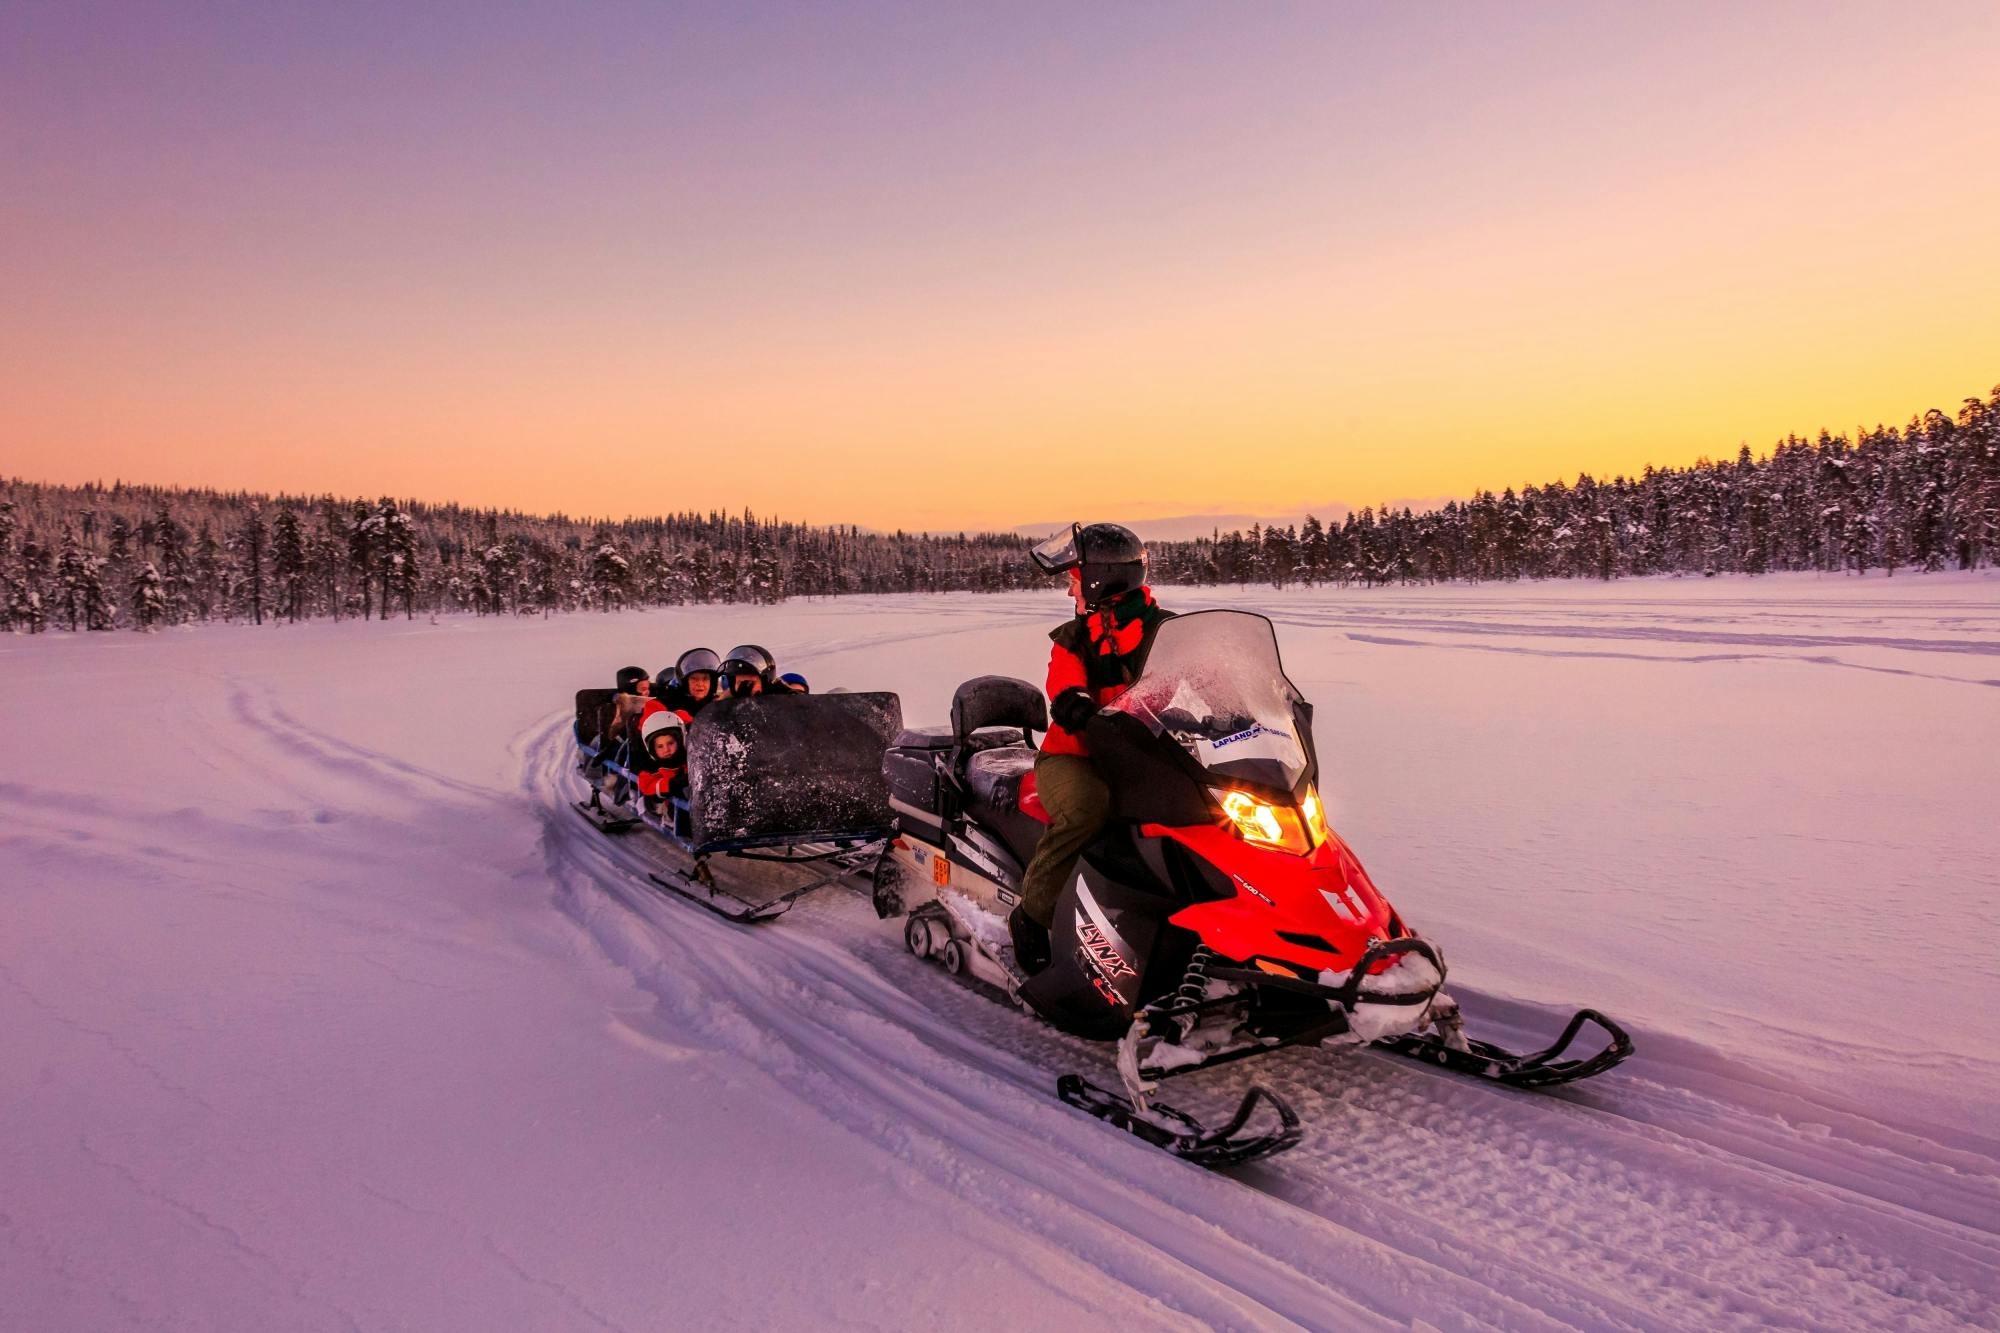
1073 709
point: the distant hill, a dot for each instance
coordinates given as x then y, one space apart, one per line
1194 527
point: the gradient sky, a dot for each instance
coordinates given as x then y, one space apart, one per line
919 265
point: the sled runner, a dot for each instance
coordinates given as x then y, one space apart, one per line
1217 917
776 782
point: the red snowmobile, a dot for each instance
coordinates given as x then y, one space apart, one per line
1217 917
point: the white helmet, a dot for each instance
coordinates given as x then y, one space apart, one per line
666 719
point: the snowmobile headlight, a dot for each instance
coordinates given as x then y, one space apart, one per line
1277 826
1315 817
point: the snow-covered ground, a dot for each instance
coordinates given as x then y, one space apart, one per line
319 1010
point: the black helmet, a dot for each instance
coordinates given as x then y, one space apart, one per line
696 659
629 678
749 660
1110 557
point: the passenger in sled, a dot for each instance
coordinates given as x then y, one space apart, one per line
751 670
662 762
592 727
694 683
635 692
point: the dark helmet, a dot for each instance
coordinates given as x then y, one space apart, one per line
629 678
696 659
1110 557
796 681
749 660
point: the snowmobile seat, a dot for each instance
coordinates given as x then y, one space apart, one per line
942 738
993 796
998 701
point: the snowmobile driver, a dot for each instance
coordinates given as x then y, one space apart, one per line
1097 655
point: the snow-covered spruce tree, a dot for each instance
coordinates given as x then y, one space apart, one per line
72 569
10 574
31 608
149 598
211 575
363 530
610 573
99 611
288 563
252 551
179 576
1971 481
396 558
24 605
118 552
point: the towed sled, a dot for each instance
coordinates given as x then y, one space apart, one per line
777 784
1217 917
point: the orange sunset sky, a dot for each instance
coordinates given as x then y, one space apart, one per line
938 266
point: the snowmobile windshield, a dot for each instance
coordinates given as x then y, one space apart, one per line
1058 553
1214 685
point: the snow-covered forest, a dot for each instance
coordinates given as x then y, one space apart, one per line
1925 497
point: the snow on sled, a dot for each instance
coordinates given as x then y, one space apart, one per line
1218 917
776 783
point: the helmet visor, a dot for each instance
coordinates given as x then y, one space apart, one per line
1058 553
749 658
697 659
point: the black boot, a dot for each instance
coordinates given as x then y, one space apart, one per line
1031 942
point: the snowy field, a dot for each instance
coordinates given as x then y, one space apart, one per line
319 1010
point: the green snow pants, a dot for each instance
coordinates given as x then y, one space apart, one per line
1078 802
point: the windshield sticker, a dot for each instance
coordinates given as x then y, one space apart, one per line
1254 742
1254 729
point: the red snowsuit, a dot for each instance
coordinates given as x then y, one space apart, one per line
655 778
1099 653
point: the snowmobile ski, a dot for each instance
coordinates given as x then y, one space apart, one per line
699 887
1231 1143
605 821
1444 1045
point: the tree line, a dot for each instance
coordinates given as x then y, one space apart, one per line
1925 497
94 557
97 557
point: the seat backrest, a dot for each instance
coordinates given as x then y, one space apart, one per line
591 716
997 701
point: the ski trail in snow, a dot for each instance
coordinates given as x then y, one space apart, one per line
1645 1204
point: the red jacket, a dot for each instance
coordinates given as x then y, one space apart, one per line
655 779
661 781
1103 653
